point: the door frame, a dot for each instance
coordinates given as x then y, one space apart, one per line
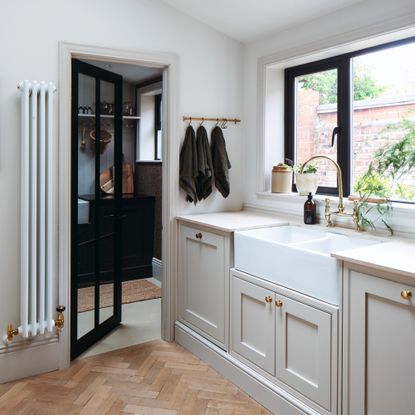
170 170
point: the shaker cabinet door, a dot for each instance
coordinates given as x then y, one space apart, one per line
203 281
253 324
304 349
381 346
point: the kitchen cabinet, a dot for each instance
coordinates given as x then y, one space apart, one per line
253 321
379 362
137 236
304 348
203 281
290 336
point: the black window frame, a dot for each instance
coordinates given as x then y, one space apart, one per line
344 107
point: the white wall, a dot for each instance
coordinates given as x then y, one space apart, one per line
364 20
210 84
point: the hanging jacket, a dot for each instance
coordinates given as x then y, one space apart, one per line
204 164
220 160
188 165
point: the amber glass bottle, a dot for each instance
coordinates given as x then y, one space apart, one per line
310 210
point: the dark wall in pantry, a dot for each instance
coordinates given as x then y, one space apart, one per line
148 181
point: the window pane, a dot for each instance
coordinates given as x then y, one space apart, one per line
384 116
316 117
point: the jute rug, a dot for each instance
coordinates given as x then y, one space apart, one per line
132 291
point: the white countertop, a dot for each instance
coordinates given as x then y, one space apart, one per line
395 256
232 221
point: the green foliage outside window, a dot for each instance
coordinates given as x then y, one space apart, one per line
325 83
385 177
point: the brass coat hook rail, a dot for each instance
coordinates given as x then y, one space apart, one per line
217 120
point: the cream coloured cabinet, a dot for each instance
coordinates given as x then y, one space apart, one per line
379 349
203 281
289 336
304 348
253 322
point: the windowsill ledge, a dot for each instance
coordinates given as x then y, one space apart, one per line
296 198
402 219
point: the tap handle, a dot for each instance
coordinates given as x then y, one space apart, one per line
327 213
327 205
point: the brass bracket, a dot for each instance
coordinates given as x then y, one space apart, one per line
60 320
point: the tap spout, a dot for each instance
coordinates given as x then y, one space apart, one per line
339 176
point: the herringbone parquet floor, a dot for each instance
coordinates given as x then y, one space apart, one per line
155 378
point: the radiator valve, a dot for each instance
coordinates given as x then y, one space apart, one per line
60 320
11 331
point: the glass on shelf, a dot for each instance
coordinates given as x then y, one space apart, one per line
128 109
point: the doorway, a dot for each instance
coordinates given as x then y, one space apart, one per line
116 205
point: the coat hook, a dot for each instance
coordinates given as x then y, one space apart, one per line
203 120
190 121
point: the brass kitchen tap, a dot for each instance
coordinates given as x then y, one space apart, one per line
340 208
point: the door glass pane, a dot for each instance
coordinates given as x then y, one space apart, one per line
107 203
315 119
384 122
86 207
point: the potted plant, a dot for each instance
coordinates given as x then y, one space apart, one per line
306 180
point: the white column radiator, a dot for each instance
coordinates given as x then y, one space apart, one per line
36 212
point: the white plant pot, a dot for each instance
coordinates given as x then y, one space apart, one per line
306 183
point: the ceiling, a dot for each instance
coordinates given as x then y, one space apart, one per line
130 73
249 20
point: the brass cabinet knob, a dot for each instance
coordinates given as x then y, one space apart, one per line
268 299
198 235
406 294
279 303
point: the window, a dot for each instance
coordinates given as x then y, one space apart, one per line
358 109
157 127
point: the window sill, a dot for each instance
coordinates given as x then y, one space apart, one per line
296 198
291 204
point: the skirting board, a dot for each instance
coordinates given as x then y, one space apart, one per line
157 269
263 391
28 361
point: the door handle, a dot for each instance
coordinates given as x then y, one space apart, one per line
335 132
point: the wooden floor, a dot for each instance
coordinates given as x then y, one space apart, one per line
155 378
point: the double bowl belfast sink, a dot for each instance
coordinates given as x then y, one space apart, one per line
296 257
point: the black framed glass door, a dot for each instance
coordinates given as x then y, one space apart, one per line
96 204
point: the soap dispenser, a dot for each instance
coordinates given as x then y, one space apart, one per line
310 210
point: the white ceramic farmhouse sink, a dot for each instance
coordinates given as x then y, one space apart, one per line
335 242
295 257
